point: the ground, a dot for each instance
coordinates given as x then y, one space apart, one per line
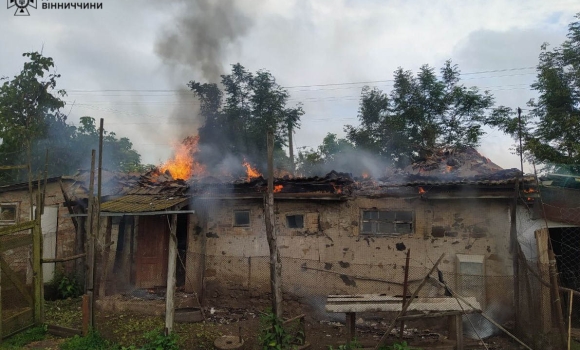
128 328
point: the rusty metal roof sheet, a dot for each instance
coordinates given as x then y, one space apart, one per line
134 203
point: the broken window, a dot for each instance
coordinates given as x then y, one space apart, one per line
8 213
387 222
295 221
242 218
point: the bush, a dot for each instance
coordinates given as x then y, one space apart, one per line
65 286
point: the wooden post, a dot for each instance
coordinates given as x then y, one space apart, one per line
171 267
105 258
275 261
405 290
545 313
350 328
89 280
555 292
98 214
383 339
86 314
37 266
291 149
571 296
514 249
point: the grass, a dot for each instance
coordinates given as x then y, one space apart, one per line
28 336
115 330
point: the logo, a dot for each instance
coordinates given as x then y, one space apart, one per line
21 6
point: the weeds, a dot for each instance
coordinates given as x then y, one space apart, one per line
28 336
159 340
273 335
93 341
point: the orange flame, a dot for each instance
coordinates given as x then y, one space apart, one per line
278 188
337 189
183 165
422 191
365 175
250 172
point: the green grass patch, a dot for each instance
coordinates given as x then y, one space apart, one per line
93 341
30 335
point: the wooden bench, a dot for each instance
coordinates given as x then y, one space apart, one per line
421 307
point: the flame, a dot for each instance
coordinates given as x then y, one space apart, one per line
183 164
365 175
422 191
337 189
530 190
250 172
278 188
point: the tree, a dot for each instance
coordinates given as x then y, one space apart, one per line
254 103
421 113
333 153
551 130
27 111
31 121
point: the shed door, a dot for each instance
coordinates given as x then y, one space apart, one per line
151 251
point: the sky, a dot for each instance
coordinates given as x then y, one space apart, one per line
129 62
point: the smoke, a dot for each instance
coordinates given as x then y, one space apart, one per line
201 34
354 161
194 46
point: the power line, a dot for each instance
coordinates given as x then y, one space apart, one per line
315 85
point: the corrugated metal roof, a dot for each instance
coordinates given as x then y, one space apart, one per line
141 203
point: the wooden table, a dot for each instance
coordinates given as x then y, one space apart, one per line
421 307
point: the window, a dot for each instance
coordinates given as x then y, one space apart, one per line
242 218
471 277
8 213
392 222
295 221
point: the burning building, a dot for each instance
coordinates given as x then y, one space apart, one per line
337 234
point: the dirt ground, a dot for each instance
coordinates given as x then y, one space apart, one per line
235 317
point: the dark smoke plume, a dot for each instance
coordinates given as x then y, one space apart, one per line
200 35
194 46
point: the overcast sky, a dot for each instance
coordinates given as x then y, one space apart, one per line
129 62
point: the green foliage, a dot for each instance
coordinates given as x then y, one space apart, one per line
549 130
401 346
157 340
355 345
329 155
30 335
66 286
274 336
93 341
254 103
421 112
32 121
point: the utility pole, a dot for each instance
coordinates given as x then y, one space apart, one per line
520 136
275 261
291 149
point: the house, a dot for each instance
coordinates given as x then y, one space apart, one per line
58 232
337 234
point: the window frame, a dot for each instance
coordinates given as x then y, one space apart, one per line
288 222
16 209
394 222
242 211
